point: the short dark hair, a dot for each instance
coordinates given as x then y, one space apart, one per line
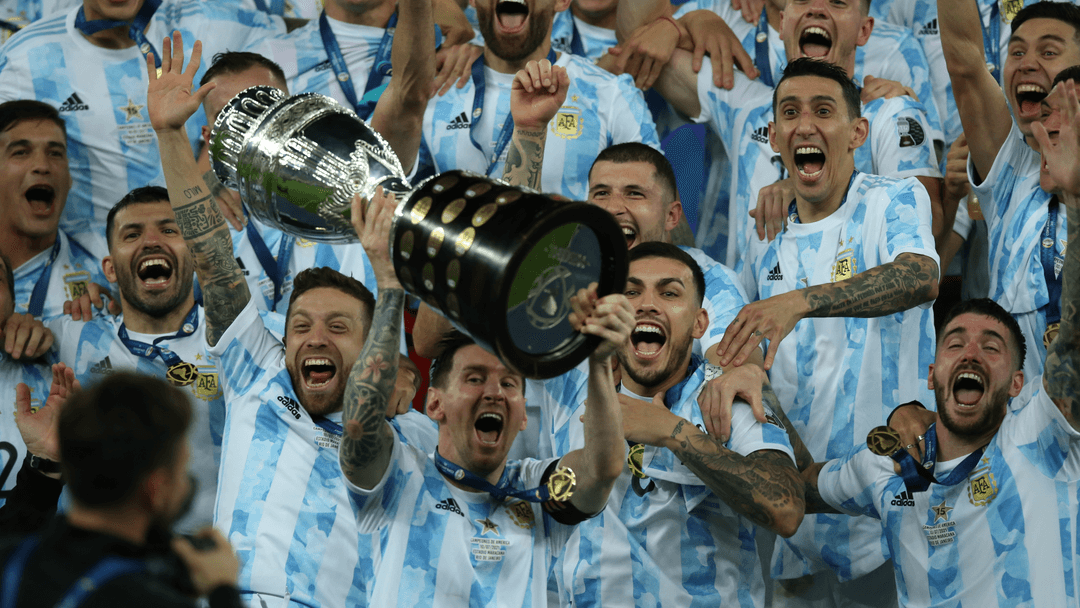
234 62
1070 73
138 196
635 152
656 249
448 346
989 308
805 66
14 112
115 433
1065 12
314 278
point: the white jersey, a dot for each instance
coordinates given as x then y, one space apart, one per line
572 35
17 14
896 147
101 94
293 9
282 501
1003 536
36 375
70 273
600 110
1016 211
666 539
94 350
441 546
829 373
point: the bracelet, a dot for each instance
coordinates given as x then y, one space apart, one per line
44 464
672 22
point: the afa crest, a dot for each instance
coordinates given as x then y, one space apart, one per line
844 267
1009 9
207 386
982 488
567 123
521 514
76 284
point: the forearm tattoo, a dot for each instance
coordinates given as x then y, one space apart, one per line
803 458
525 159
371 385
814 502
904 283
1062 376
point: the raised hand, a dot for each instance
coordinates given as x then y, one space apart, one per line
539 90
372 221
39 429
611 318
169 99
1059 141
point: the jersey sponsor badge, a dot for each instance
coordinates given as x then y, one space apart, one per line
844 267
76 284
567 123
910 132
521 514
207 385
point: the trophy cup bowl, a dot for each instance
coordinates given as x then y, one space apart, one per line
500 262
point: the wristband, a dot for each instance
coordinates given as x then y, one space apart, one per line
672 22
44 465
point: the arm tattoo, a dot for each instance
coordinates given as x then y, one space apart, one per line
367 440
1062 376
906 282
803 458
757 486
814 502
525 159
198 218
211 180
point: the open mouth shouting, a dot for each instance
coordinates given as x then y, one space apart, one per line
815 42
1029 98
968 388
41 198
489 428
155 271
809 162
648 340
631 233
511 15
317 372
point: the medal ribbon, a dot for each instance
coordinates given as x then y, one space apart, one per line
761 48
275 269
379 69
1049 263
793 210
478 108
136 31
328 425
9 26
501 491
150 351
919 476
41 288
576 47
992 40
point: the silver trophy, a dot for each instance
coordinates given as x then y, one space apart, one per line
499 262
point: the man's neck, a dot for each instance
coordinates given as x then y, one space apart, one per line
812 211
122 522
659 389
115 38
604 19
140 322
377 16
446 450
21 248
504 66
951 446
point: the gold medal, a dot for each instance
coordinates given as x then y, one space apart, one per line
182 374
973 208
1050 333
883 441
561 484
1009 9
634 458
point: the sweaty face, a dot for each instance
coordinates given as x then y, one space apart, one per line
630 191
973 375
149 259
815 136
514 29
480 412
828 30
1038 50
667 317
34 177
323 337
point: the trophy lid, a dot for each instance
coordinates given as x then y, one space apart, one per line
236 121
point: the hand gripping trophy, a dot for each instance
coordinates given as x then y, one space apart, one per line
500 262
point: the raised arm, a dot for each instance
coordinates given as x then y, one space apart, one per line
170 102
538 92
908 281
983 111
399 114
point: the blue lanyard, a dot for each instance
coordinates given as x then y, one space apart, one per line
104 571
674 394
9 26
501 491
275 269
136 33
478 108
328 425
1050 262
277 7
793 209
41 288
918 477
576 47
992 40
379 70
150 351
761 42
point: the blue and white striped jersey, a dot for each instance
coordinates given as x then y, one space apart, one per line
1016 212
17 14
36 375
294 9
440 546
94 350
831 374
898 146
1003 536
70 274
663 540
101 94
594 41
600 110
282 500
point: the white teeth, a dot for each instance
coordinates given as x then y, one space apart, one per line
970 376
1030 88
491 415
628 231
808 150
311 362
818 31
512 1
652 329
154 262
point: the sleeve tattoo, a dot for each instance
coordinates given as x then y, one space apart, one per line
525 159
909 280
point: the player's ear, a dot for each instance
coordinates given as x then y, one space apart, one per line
772 137
1017 383
701 323
108 268
859 133
433 405
930 377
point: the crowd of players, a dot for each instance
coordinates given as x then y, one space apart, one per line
727 443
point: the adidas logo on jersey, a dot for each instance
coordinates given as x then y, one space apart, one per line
102 367
903 499
775 274
243 269
291 405
930 29
449 504
760 135
73 104
459 122
322 67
